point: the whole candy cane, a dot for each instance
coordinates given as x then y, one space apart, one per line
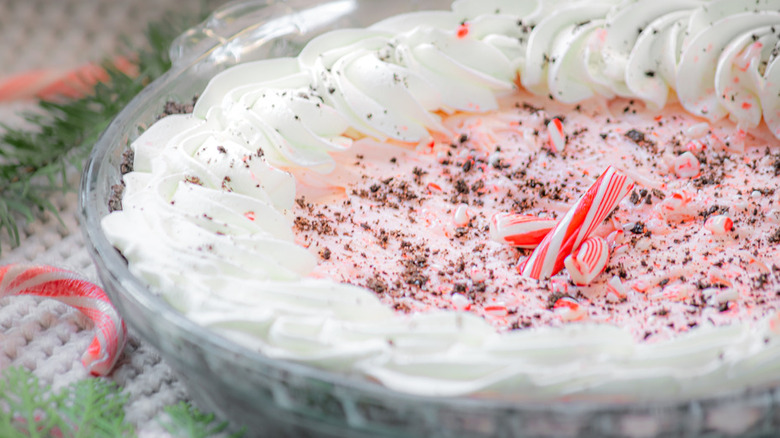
580 221
71 289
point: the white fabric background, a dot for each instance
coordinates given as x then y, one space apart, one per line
43 335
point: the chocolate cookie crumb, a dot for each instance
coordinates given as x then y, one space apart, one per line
115 200
172 107
641 140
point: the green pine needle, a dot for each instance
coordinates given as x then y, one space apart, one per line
94 408
27 407
91 408
33 166
186 420
34 163
87 408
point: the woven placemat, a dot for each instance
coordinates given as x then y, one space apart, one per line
45 336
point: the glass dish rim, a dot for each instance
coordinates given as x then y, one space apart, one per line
112 263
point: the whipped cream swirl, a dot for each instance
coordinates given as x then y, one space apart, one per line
206 220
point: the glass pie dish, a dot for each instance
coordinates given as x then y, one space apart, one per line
281 398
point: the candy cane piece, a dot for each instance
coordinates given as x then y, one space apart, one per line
588 261
686 165
695 146
556 134
578 224
719 224
616 290
73 290
697 131
52 83
569 309
460 301
522 231
462 215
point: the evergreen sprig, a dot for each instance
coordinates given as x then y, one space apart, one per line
27 408
185 420
34 163
90 408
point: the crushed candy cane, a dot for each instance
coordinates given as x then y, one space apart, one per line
461 215
556 135
686 165
578 224
569 309
697 131
587 261
720 224
522 231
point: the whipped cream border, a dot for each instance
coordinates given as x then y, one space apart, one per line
206 221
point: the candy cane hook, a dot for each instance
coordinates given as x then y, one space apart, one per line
73 290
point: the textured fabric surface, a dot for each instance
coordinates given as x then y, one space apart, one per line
64 34
46 336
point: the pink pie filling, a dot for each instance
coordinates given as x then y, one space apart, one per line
411 222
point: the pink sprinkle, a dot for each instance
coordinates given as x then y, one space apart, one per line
250 215
719 225
432 186
746 105
557 137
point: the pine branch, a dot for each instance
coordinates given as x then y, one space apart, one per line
91 408
27 407
94 408
185 420
34 164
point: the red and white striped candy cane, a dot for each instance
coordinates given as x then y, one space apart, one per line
522 231
73 290
580 221
588 261
556 134
50 84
